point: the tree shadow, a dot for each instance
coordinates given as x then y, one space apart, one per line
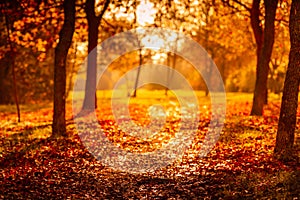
17 145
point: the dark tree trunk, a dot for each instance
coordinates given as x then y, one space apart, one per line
257 29
138 73
287 120
61 52
206 43
265 41
168 73
90 87
90 98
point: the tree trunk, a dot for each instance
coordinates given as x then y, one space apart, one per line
265 41
61 52
168 73
138 73
287 120
206 43
90 87
90 96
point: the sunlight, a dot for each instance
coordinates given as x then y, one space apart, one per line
145 13
159 57
81 46
153 41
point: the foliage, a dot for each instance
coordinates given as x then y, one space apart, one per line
224 32
32 36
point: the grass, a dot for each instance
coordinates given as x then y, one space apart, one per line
11 108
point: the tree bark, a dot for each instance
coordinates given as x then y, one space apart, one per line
265 41
287 120
90 96
61 52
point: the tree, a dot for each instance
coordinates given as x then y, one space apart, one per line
140 58
264 40
61 52
287 120
223 33
90 96
33 31
138 71
8 24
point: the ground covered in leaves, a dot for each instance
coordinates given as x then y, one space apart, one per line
34 165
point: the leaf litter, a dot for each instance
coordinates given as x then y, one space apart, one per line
240 164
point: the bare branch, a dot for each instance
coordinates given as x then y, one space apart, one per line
106 4
109 24
227 3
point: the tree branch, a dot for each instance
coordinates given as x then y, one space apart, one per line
106 4
227 2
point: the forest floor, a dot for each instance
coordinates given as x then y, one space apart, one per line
34 165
